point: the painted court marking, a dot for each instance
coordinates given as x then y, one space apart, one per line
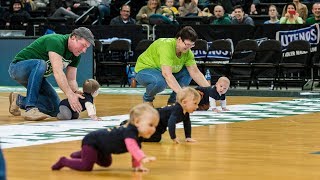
58 131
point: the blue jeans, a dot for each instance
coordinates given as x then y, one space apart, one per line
155 83
40 93
2 167
104 10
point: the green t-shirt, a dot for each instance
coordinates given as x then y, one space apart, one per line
52 42
312 20
225 19
163 52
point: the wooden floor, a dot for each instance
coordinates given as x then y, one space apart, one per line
274 148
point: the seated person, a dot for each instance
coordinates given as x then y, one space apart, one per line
16 15
301 9
188 8
273 14
253 9
103 8
240 17
63 9
169 10
292 16
220 15
152 7
90 90
316 14
214 93
124 17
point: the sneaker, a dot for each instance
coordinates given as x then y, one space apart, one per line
13 107
34 115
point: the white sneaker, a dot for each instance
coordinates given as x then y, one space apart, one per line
35 115
13 107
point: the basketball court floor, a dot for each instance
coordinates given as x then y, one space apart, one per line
259 138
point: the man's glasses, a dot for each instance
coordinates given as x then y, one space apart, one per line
189 45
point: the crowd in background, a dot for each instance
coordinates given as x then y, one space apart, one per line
105 12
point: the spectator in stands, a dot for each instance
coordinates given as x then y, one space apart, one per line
220 16
301 9
152 7
16 15
240 17
188 8
41 4
61 9
273 14
124 17
292 16
48 55
103 7
169 62
253 9
169 10
245 4
316 14
28 5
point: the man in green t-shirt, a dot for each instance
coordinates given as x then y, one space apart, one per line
316 14
169 62
221 17
48 55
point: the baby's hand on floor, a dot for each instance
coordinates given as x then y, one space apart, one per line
216 110
190 140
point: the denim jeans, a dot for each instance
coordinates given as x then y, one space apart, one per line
40 93
2 167
155 83
104 10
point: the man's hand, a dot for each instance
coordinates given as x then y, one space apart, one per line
74 102
78 92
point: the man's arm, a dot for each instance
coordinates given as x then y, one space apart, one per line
61 79
170 79
197 76
72 78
